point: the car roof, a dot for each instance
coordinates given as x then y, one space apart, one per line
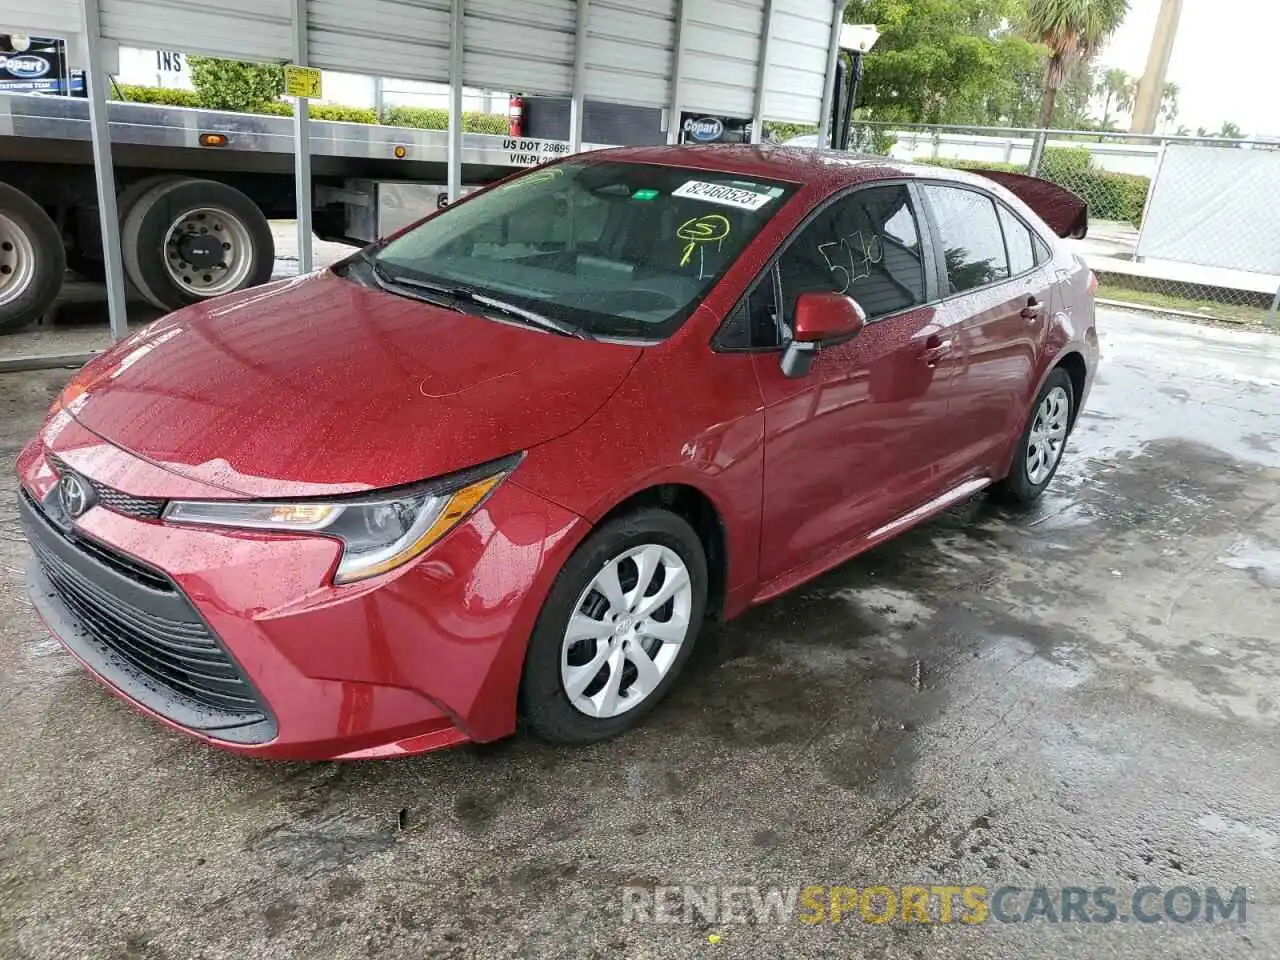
831 169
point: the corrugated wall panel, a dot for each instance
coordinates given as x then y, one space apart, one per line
525 46
721 49
797 60
629 51
238 29
391 38
43 18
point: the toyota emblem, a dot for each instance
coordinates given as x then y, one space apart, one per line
74 495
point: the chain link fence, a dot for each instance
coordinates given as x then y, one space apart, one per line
1181 224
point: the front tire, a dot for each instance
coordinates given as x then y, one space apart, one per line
616 628
1039 451
190 240
32 260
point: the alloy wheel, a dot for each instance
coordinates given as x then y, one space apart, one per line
1048 435
17 261
626 631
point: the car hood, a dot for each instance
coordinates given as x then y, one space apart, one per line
321 385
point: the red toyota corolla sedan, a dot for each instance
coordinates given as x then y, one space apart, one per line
504 465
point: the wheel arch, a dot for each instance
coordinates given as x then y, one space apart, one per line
1074 364
696 507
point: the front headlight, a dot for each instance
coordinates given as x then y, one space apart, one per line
379 531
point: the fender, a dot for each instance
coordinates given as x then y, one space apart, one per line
1085 350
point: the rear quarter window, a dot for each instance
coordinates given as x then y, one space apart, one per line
1018 241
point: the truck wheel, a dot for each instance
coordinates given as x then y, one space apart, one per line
32 260
189 240
93 268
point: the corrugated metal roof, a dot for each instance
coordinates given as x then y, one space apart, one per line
797 67
392 38
239 29
41 17
721 50
526 47
629 51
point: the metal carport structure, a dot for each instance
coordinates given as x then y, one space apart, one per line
766 59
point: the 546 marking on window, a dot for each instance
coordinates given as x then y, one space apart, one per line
850 258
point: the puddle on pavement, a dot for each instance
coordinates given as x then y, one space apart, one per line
1263 563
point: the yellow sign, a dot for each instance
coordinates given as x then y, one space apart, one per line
301 81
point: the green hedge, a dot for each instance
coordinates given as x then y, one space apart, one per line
323 111
435 118
1110 196
1059 163
421 118
174 98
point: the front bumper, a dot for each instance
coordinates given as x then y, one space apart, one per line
420 658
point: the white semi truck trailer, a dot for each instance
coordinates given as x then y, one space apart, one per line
196 189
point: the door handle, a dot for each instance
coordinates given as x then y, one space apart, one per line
935 348
1032 310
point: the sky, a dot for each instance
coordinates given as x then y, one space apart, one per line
1224 60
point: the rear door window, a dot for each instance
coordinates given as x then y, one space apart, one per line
970 237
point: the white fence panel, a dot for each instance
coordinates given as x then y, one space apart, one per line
1217 207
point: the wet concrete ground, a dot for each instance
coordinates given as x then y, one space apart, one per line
1095 704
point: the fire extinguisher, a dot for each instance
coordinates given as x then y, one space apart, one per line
515 116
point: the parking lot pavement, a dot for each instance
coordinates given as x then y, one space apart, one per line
1083 695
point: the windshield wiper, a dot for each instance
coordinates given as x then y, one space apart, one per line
467 295
520 313
403 286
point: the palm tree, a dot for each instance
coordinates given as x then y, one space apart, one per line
1230 131
1116 85
1073 30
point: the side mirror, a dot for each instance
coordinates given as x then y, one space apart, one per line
821 320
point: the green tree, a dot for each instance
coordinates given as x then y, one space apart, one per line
1118 87
943 61
1169 102
232 85
1073 105
1073 30
1230 131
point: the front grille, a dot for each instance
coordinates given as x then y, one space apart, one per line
140 508
143 628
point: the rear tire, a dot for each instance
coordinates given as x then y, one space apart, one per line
94 268
190 240
1041 446
638 632
32 260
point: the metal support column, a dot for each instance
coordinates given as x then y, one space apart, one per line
104 173
302 144
577 102
762 72
677 59
1037 152
829 84
456 37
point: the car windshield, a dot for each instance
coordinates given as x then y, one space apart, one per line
622 250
